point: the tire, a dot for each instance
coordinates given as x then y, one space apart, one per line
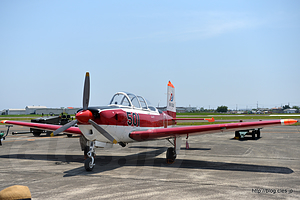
253 135
171 155
237 134
258 134
88 165
85 151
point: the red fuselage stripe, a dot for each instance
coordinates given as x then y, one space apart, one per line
122 118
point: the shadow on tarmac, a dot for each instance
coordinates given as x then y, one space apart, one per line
245 139
146 147
149 158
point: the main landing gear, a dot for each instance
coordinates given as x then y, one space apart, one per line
171 155
173 151
89 150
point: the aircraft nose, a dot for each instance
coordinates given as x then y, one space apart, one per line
84 116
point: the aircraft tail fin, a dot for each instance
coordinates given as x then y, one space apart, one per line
171 103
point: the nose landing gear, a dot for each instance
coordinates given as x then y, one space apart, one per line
89 163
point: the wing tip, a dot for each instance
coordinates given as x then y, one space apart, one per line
3 121
210 119
288 121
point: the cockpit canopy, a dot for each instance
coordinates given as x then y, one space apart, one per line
125 99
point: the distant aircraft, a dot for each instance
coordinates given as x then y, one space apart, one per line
129 118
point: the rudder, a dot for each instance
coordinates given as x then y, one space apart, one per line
171 103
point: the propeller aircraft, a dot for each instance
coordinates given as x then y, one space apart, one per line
130 118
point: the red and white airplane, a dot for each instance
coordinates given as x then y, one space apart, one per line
129 118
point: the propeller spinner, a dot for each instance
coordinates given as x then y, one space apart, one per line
85 116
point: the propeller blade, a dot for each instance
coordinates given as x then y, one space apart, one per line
64 127
103 132
86 91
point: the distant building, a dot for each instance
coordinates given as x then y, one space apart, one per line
277 110
56 111
71 110
39 110
48 111
290 110
32 109
179 109
185 109
15 111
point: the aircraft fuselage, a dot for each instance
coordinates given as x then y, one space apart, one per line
119 122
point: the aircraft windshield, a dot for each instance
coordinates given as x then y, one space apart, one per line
134 100
142 102
120 99
129 100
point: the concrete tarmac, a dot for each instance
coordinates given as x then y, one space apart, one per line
215 167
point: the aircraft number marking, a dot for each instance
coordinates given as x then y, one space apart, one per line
133 119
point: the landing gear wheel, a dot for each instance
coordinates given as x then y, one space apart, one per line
258 134
89 164
236 134
253 135
86 150
171 155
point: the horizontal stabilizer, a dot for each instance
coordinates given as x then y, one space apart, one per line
195 119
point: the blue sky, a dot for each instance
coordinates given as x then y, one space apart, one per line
233 53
